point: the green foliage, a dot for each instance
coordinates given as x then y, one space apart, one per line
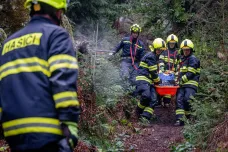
80 10
185 147
209 104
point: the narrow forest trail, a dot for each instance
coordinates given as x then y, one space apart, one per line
160 136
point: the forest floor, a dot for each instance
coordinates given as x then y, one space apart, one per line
160 136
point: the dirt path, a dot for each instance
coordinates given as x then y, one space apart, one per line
160 136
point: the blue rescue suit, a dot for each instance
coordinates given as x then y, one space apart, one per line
189 74
38 77
147 76
132 52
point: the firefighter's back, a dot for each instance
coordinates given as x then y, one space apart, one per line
29 116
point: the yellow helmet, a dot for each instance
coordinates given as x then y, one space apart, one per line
187 44
58 4
172 38
135 28
159 43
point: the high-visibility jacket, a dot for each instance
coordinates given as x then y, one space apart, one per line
38 73
131 48
147 71
189 71
168 60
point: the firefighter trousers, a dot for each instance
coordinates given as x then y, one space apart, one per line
148 100
182 101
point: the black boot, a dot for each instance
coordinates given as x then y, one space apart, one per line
179 123
138 111
146 115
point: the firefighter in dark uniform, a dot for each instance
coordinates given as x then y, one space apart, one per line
146 78
189 74
132 52
168 61
39 70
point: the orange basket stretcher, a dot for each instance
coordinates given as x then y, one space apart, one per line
164 90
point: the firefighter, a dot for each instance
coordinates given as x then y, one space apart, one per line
168 61
146 78
39 70
132 52
189 74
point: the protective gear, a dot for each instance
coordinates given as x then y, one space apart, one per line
39 62
127 44
58 4
147 75
182 102
70 131
172 39
136 28
147 72
189 72
159 43
187 44
132 52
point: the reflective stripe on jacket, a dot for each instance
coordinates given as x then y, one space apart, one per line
38 84
168 60
125 45
147 71
189 71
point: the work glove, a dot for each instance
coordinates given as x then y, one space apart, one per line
70 131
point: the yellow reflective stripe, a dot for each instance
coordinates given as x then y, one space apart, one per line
32 64
184 69
192 82
190 69
153 68
161 57
140 106
67 103
184 78
127 42
66 99
61 57
143 64
21 42
138 46
187 112
64 95
32 130
150 110
143 78
161 64
167 96
30 125
168 60
62 61
1 110
198 70
157 79
30 120
180 112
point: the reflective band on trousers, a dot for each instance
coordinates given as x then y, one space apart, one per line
32 125
149 110
180 112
